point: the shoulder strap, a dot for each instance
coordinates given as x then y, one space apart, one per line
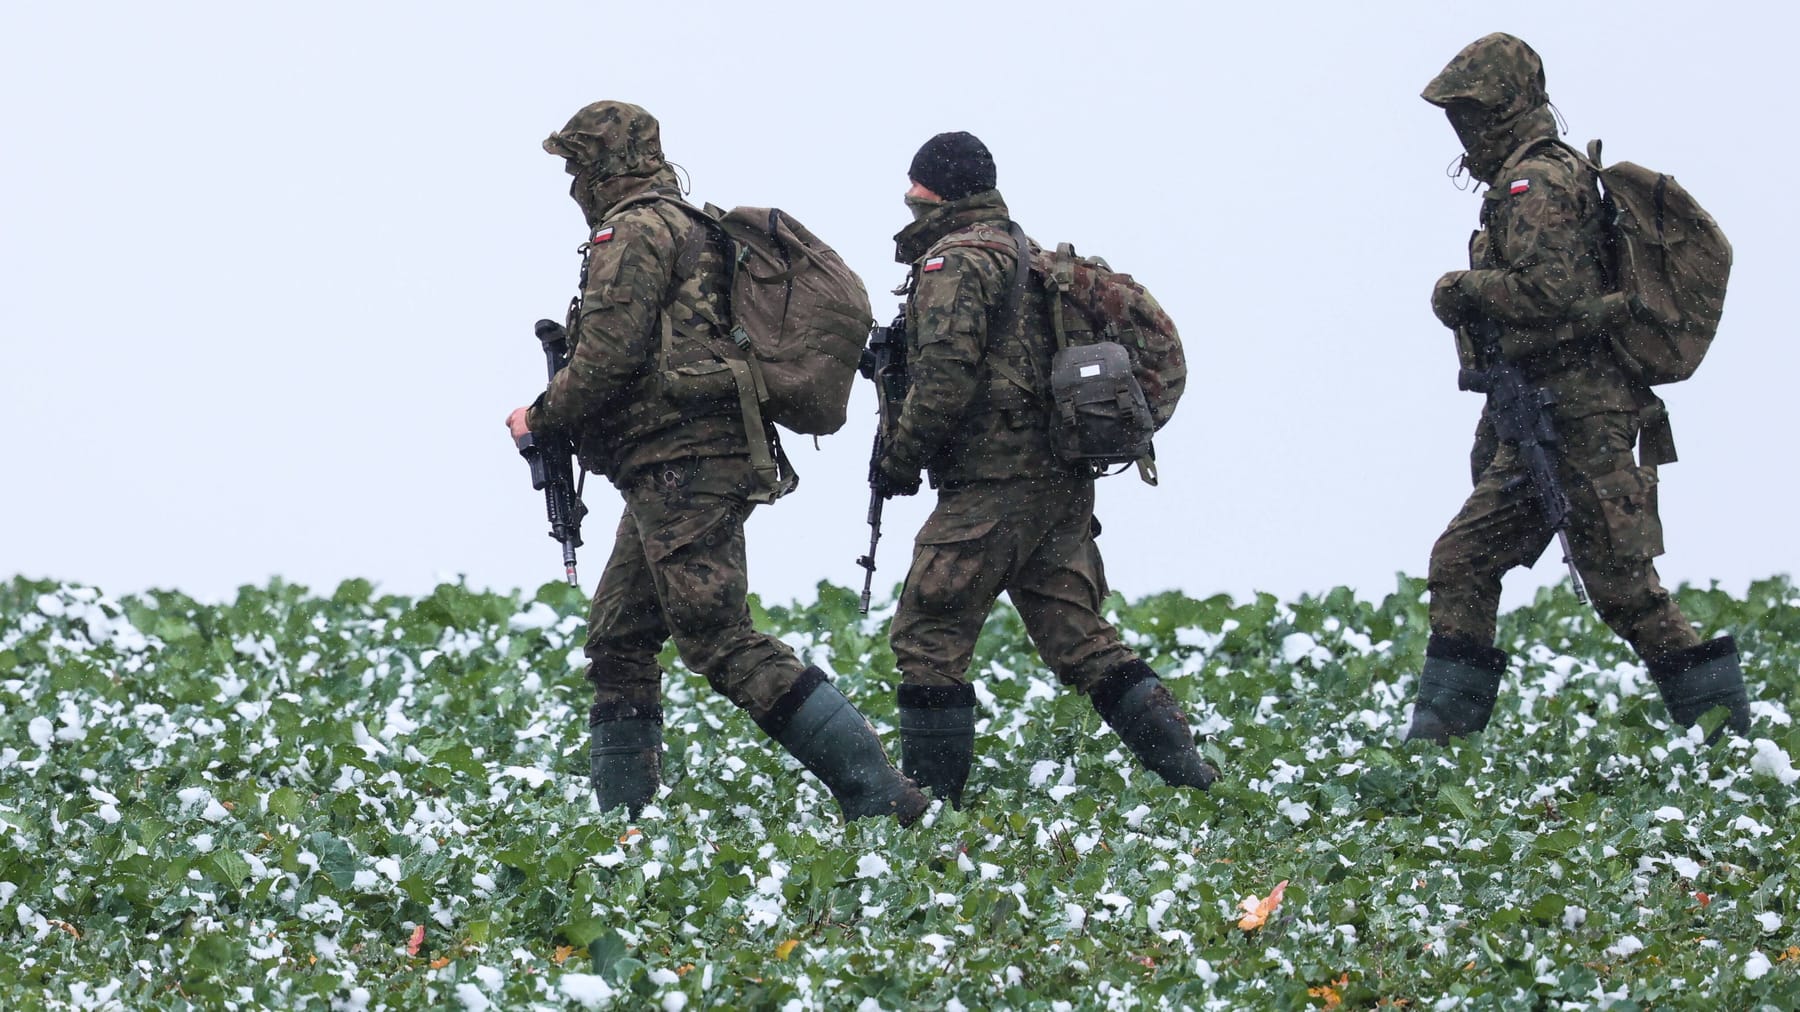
1009 321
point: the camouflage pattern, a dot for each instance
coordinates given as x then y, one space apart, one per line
1614 532
613 393
1534 268
678 570
1010 516
963 419
1033 539
613 138
682 464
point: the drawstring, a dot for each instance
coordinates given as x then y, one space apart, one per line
1458 173
682 178
1562 125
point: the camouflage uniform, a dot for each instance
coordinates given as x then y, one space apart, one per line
677 566
653 299
1536 271
1010 516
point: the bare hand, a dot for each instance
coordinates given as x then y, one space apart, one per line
515 424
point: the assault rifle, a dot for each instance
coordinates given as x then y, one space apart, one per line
883 362
549 455
1521 416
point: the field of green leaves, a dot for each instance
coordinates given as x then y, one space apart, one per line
359 801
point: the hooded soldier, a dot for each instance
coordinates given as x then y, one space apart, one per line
1531 299
654 298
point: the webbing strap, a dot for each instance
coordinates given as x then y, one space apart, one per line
771 482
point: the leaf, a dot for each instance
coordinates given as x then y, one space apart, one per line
786 948
562 954
1461 800
585 931
227 868
1257 910
607 950
334 858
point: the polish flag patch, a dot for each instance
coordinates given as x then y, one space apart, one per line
604 235
1519 186
934 264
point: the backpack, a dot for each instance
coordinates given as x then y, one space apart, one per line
802 313
1669 260
799 318
1118 369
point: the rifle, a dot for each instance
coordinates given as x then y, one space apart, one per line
1521 417
549 455
884 363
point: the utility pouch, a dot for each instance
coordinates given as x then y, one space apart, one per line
1100 416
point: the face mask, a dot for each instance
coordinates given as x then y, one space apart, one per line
920 206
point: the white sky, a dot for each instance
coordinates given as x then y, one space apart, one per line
268 275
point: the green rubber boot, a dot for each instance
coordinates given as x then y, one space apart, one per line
1138 706
1457 689
834 741
937 737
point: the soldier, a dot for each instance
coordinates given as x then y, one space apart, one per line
652 274
1535 278
1010 515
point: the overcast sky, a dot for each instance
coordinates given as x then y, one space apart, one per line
268 275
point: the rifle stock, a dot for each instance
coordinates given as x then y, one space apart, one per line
550 457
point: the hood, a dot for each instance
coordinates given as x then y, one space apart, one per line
616 151
1496 99
952 215
610 139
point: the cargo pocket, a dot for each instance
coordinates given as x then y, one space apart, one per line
951 568
1628 504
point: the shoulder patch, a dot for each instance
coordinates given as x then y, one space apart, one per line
933 264
604 235
1518 186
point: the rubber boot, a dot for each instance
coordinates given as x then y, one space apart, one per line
1457 689
834 741
626 757
937 737
1699 678
1136 704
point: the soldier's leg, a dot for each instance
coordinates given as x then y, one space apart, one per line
691 522
1059 591
1498 528
1616 534
961 559
625 634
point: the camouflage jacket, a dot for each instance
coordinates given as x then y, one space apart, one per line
644 255
1534 260
964 420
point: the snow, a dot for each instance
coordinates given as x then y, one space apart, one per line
40 731
472 999
1771 922
1625 946
1668 813
1757 966
872 866
586 989
538 616
1771 761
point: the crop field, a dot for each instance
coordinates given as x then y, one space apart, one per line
350 800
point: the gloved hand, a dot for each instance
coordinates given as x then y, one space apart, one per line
1449 301
895 477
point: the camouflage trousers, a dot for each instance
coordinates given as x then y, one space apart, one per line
677 570
1614 533
1031 538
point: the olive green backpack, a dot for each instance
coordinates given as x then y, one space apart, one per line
1667 262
